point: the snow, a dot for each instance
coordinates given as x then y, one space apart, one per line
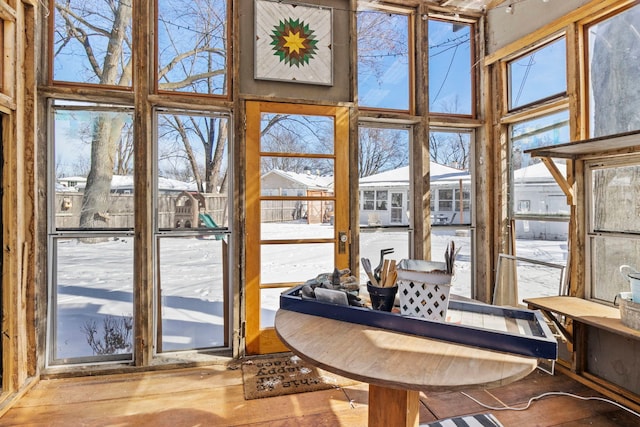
95 280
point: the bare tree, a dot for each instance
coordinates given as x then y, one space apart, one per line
450 148
205 166
378 36
381 150
297 134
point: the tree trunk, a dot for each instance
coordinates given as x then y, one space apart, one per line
95 202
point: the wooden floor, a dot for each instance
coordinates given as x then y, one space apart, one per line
213 396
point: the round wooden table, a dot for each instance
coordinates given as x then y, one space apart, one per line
396 366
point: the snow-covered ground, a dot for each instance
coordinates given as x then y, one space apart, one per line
95 280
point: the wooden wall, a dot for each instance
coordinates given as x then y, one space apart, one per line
19 226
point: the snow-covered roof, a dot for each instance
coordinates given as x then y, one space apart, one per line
120 182
309 180
126 181
440 174
538 172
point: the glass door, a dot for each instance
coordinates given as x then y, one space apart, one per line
297 206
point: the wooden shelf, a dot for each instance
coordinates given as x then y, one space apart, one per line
623 143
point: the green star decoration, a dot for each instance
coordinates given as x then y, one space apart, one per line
294 42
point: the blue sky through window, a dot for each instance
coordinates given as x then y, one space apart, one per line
538 75
450 68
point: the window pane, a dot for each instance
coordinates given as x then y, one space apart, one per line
532 181
544 241
384 174
373 240
616 199
450 68
192 171
450 154
381 200
269 305
607 255
93 149
193 281
192 46
295 133
538 75
368 200
93 294
440 239
529 278
397 208
296 176
296 219
383 60
450 177
92 42
277 260
614 100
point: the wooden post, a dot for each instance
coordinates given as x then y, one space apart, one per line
393 407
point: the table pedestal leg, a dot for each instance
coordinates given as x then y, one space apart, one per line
393 407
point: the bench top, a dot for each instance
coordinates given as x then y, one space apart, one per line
584 311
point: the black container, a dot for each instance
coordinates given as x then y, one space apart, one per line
382 299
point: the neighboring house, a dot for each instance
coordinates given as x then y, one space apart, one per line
384 197
71 183
537 193
281 183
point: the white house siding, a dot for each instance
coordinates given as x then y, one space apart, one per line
537 193
397 180
384 211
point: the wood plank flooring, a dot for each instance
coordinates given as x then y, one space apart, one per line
213 396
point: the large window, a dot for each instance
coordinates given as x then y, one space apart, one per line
450 152
613 79
90 239
451 68
385 187
614 230
192 222
92 181
538 209
385 59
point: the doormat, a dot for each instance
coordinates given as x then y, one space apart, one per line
282 375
